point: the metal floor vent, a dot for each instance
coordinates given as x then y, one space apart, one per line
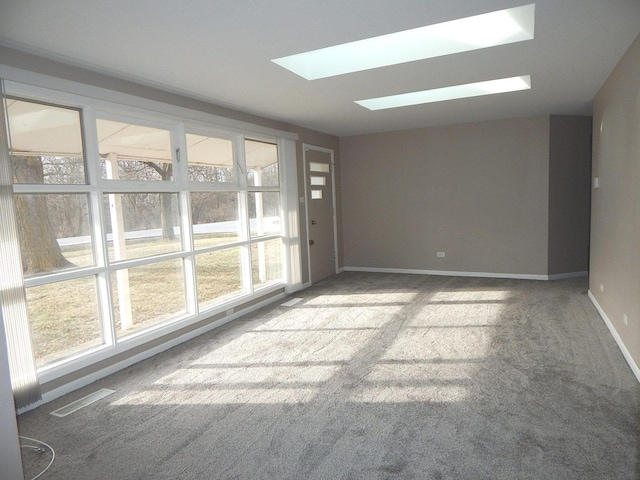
291 302
82 402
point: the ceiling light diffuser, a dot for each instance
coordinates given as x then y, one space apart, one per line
471 33
490 87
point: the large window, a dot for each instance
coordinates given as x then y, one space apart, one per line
129 225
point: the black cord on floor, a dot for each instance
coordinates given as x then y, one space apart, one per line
39 449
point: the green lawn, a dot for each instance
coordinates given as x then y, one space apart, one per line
64 316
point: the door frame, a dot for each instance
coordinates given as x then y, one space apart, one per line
305 148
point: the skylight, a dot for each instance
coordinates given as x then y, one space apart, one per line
471 33
490 87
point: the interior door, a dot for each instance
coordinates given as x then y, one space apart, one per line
320 213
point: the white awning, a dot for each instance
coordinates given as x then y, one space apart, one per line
43 130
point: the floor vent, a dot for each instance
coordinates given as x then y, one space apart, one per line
82 402
291 302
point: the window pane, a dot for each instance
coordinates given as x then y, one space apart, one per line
262 163
142 224
46 143
55 232
219 275
147 295
266 261
214 216
318 180
319 167
264 213
64 318
134 152
210 159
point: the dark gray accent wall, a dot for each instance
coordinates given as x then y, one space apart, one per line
615 208
569 193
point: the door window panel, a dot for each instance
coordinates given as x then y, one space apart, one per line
210 159
320 181
262 164
266 261
54 231
319 167
45 143
134 152
264 213
147 295
64 318
214 216
142 224
219 275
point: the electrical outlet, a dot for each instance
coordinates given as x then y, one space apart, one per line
440 254
601 287
625 320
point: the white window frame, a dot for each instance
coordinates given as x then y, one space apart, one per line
152 113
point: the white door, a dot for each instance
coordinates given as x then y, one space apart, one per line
320 212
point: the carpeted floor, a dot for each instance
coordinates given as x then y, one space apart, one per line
369 376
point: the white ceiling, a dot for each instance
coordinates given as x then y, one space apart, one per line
221 51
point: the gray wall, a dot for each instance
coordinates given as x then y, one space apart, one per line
615 219
478 192
569 193
498 197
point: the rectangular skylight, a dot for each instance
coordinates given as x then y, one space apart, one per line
471 33
490 87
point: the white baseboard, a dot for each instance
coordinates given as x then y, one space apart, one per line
627 356
448 273
92 377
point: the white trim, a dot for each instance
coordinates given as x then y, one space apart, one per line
340 270
627 356
306 207
518 276
87 379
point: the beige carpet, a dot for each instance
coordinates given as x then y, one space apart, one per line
369 376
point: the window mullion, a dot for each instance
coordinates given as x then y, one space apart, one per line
98 231
181 178
243 208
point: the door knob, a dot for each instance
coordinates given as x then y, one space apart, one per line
311 242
